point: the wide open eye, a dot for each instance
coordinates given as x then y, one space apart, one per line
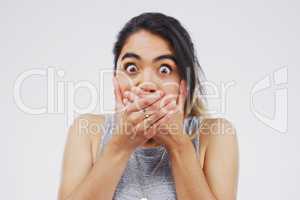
131 68
165 69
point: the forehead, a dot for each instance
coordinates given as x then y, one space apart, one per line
147 45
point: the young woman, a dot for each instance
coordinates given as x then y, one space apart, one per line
159 143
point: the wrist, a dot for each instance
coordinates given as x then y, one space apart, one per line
182 145
114 147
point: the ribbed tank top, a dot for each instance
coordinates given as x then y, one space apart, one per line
161 185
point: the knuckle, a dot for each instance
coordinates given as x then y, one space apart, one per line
137 105
145 102
154 107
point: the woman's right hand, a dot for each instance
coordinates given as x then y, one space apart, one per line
130 130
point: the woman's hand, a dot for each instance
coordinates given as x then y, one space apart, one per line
131 130
168 130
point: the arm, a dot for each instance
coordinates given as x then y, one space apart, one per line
189 178
80 178
218 179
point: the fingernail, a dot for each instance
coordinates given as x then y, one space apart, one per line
173 103
160 93
155 94
126 93
133 89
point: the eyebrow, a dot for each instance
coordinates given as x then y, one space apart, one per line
161 57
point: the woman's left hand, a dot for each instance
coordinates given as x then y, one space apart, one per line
169 129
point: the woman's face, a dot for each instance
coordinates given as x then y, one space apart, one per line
147 61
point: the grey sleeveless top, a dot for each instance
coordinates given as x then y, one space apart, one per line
161 185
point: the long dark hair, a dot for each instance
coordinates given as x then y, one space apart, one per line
179 39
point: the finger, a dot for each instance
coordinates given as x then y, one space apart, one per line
138 116
163 111
162 120
117 92
145 124
164 101
126 102
132 97
160 105
138 91
142 103
152 130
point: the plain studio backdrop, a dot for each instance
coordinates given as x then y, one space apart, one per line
56 57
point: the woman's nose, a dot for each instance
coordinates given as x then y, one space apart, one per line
148 87
148 84
147 81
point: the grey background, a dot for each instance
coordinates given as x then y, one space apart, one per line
236 41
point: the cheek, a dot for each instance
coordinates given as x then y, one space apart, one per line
170 88
125 83
171 84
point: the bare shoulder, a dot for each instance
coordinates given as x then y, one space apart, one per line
90 128
221 163
79 152
217 134
217 126
88 125
91 117
218 130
